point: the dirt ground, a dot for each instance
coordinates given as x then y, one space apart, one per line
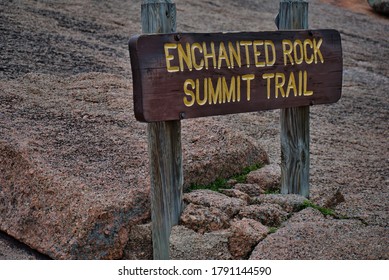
48 43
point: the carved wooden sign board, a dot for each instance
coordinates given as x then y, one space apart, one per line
189 75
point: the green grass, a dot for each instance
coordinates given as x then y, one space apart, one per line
273 191
272 230
323 210
221 183
329 212
214 186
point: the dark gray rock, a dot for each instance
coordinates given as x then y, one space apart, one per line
186 244
204 219
250 189
237 194
140 243
288 202
229 205
271 215
380 6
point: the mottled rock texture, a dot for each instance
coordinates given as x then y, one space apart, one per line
268 178
289 203
246 233
74 171
73 160
229 205
309 235
186 244
270 215
204 219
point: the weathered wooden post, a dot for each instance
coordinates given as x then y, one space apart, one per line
293 14
164 140
191 75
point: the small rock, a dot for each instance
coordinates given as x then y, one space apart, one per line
186 244
380 6
336 199
288 202
236 193
221 152
204 219
268 177
229 205
307 215
246 233
231 182
250 189
270 215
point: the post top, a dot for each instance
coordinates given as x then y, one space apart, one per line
156 1
293 1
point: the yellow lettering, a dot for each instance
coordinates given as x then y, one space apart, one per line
298 44
205 94
287 52
246 45
234 54
310 59
279 83
223 55
238 87
268 77
194 47
214 96
185 56
189 92
169 57
248 78
268 44
257 53
210 55
306 92
300 83
229 93
316 50
291 85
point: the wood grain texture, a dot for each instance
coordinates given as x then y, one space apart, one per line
166 175
164 143
150 74
158 16
295 157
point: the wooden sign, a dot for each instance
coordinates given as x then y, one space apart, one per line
189 75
